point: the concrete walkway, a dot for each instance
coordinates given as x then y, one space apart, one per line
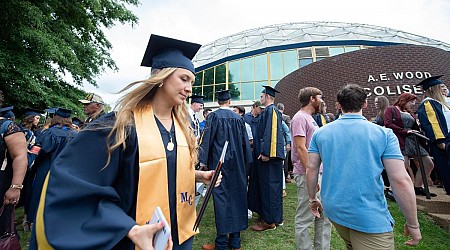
437 207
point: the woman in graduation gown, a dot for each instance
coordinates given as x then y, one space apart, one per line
103 188
51 141
434 118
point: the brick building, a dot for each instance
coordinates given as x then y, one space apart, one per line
386 70
294 55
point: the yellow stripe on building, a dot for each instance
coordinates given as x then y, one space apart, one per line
273 137
41 238
431 114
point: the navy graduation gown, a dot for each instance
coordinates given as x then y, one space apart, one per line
52 142
96 204
320 119
432 121
230 198
270 173
270 133
253 195
434 124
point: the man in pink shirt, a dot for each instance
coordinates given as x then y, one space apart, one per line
302 129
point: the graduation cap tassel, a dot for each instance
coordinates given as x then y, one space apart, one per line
211 186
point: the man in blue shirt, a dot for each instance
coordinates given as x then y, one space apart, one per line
353 152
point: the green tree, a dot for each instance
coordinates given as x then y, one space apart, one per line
43 43
220 80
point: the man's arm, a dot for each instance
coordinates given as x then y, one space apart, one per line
312 173
302 151
405 197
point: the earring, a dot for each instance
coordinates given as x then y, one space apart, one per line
161 84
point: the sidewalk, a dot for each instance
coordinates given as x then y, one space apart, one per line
438 208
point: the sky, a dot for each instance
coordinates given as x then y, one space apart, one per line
204 21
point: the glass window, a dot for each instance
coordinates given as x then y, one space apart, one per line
221 73
198 78
258 89
208 92
248 69
334 51
235 91
274 83
302 53
276 65
351 48
209 76
248 91
290 61
261 67
319 58
197 90
306 61
234 71
322 51
219 87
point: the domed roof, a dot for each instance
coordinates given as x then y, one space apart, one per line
304 34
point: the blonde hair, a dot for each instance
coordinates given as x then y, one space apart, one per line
138 99
435 93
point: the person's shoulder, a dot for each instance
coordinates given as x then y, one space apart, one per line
300 115
105 121
9 127
5 123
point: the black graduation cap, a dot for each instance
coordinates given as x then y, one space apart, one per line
196 98
430 81
64 113
7 113
164 52
77 121
223 95
51 110
32 112
270 91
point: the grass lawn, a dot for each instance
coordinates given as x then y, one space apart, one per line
434 237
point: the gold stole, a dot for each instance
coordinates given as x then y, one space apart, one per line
152 187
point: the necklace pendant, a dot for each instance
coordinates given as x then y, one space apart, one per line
169 146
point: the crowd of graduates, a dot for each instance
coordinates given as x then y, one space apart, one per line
41 136
105 176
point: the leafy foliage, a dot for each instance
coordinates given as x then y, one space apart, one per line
50 47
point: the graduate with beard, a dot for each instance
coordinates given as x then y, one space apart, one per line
268 167
230 198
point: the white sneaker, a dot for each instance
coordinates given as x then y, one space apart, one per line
249 214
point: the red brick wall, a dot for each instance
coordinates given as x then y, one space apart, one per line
378 69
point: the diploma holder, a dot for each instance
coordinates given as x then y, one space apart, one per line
211 186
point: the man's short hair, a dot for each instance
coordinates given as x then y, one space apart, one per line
206 110
352 98
223 102
280 106
241 109
305 94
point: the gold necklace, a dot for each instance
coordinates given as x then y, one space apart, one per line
170 144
